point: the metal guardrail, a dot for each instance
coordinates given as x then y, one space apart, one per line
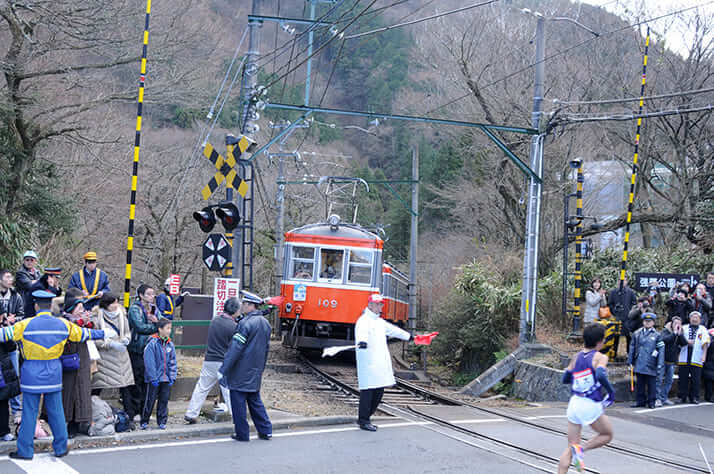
188 323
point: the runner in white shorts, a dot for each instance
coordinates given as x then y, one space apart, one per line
587 376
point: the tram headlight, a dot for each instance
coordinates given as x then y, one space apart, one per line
334 221
288 307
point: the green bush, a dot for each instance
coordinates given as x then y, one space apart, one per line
476 318
483 309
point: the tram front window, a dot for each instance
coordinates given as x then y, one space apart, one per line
331 264
360 270
303 262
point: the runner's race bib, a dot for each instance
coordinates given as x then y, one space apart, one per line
583 381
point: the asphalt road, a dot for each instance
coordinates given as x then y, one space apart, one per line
401 448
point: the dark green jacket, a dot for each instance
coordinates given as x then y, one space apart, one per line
141 328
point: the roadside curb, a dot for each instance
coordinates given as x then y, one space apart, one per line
179 432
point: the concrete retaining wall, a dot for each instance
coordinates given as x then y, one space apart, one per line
537 383
503 368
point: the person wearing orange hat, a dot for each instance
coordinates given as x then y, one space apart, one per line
91 280
374 362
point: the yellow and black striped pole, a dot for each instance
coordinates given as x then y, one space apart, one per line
135 166
630 203
228 271
578 245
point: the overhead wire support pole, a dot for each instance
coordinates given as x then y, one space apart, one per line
310 39
280 19
135 165
633 178
488 129
279 255
413 242
526 330
248 129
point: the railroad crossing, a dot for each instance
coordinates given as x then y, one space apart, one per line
664 440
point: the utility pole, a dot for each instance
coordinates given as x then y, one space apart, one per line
279 255
530 261
413 241
249 128
310 39
280 225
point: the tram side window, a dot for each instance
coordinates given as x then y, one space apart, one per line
360 268
403 294
387 284
331 264
303 259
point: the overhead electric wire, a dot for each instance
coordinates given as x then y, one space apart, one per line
324 45
633 99
202 139
577 45
317 24
419 20
626 117
305 48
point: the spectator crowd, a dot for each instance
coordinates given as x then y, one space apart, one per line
59 350
684 340
66 347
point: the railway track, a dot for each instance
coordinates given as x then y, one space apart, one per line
401 409
408 401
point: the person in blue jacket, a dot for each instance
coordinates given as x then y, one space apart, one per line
166 304
160 371
243 366
92 281
42 339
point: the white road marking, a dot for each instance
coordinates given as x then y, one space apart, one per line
44 464
672 407
210 441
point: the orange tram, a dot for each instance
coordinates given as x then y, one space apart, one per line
330 269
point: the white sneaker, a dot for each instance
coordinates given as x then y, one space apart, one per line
658 403
221 408
7 437
668 402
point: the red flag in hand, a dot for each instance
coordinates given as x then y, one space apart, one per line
424 339
275 300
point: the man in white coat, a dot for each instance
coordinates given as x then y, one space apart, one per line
374 362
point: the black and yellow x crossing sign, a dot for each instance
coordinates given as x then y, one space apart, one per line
226 168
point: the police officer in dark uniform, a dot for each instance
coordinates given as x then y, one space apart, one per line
243 367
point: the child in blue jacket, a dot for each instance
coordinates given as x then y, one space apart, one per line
159 374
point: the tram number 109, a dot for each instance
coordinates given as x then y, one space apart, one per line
325 303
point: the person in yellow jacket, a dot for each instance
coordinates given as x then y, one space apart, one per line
42 340
91 280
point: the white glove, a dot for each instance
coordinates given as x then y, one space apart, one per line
124 341
185 293
114 345
220 376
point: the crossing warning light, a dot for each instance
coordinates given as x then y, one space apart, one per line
229 216
206 219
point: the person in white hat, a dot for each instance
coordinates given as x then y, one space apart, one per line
26 276
374 362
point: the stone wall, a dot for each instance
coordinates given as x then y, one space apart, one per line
537 383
